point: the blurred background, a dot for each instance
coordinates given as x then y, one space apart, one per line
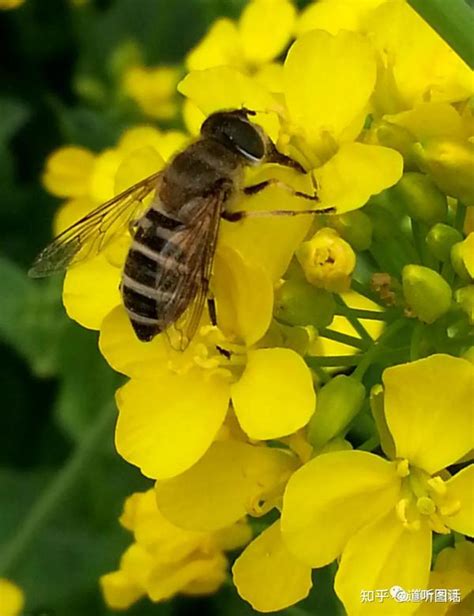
61 61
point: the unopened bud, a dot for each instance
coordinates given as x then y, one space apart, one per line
298 303
354 227
421 198
465 298
451 165
327 260
462 258
440 239
426 292
338 403
398 138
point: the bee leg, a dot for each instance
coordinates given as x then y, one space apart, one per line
256 188
211 308
236 216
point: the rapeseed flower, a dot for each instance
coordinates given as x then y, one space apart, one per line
153 89
378 515
165 560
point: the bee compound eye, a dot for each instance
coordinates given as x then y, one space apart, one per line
246 139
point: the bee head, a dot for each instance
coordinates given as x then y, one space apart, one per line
233 129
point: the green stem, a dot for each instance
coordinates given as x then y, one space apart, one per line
453 20
330 334
461 210
377 348
371 315
370 444
416 339
356 324
56 491
333 361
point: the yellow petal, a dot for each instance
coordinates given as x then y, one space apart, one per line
91 291
438 75
68 171
270 76
429 410
12 599
347 180
461 488
165 143
430 120
265 29
384 556
138 165
275 395
330 498
244 296
193 117
166 425
268 576
119 591
224 87
335 15
229 481
122 349
166 581
345 64
102 183
220 46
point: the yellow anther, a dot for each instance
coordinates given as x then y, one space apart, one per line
403 468
425 505
437 485
401 510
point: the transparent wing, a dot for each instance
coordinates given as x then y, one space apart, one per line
199 243
92 233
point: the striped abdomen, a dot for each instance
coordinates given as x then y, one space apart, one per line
153 275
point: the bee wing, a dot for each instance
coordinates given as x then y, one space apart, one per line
92 233
199 244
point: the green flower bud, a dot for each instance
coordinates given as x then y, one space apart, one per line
422 199
440 239
338 403
298 303
451 165
426 292
462 258
398 138
465 298
124 56
354 227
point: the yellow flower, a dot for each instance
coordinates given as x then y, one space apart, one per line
261 34
453 573
165 560
153 89
10 4
12 599
383 530
231 480
319 123
327 260
175 403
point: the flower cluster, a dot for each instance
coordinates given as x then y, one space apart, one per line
336 389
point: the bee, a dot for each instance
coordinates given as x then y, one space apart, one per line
165 279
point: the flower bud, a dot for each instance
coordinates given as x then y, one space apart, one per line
398 138
338 403
327 260
426 292
298 303
462 258
465 298
450 164
422 199
354 227
440 239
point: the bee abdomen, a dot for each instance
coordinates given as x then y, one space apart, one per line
151 275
